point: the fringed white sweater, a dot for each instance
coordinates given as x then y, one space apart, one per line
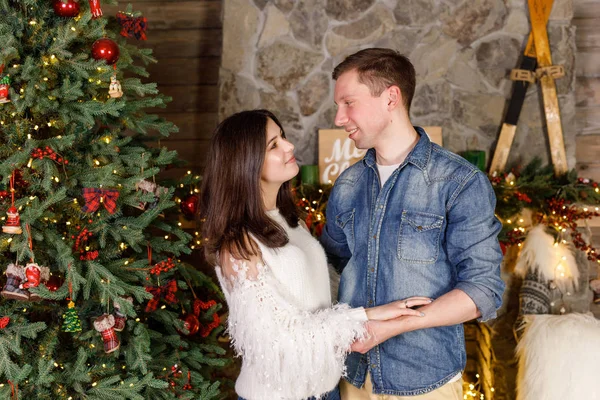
293 343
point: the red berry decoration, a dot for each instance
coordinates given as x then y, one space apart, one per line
105 49
67 8
189 206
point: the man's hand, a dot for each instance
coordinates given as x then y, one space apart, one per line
397 309
454 307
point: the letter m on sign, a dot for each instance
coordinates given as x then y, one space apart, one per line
337 152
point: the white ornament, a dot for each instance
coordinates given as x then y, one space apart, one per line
114 89
552 261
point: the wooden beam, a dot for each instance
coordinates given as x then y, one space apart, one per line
588 149
537 12
588 37
192 98
188 43
185 71
192 125
193 151
588 120
515 105
586 9
588 63
587 91
507 135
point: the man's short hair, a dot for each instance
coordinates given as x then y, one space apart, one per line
379 69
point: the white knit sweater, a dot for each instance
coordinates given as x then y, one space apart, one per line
293 343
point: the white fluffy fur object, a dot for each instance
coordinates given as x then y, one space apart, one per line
17 270
541 255
558 358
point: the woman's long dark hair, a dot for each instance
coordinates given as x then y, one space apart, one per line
231 203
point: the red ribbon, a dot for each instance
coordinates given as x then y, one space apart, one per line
167 291
132 26
93 197
14 390
199 305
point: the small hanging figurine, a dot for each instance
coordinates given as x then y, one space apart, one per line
13 222
4 86
95 8
150 187
14 276
71 321
105 324
33 274
114 89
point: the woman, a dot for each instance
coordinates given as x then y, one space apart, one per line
274 274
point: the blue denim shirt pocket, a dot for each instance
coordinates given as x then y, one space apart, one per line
419 237
345 221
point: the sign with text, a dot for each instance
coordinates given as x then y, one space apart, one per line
337 152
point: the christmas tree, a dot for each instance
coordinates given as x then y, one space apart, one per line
97 302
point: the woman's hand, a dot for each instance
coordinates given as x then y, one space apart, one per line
377 332
397 309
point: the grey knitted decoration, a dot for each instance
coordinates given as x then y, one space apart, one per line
534 297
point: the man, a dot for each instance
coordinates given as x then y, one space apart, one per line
409 219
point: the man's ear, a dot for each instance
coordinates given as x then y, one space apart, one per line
394 97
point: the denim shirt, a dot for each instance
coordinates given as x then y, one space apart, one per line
430 229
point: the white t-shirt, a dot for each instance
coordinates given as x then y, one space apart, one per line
385 171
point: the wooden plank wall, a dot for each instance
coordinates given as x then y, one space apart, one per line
587 21
186 37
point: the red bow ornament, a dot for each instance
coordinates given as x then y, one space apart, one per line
167 291
199 306
93 197
132 26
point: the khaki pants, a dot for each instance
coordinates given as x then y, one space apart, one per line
450 391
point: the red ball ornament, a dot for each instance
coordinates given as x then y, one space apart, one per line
105 49
67 8
192 324
189 206
54 283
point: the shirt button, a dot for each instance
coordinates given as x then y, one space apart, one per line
372 269
370 302
375 236
419 228
374 366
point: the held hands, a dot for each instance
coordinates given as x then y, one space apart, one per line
397 309
383 322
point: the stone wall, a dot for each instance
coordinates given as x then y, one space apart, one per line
279 54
